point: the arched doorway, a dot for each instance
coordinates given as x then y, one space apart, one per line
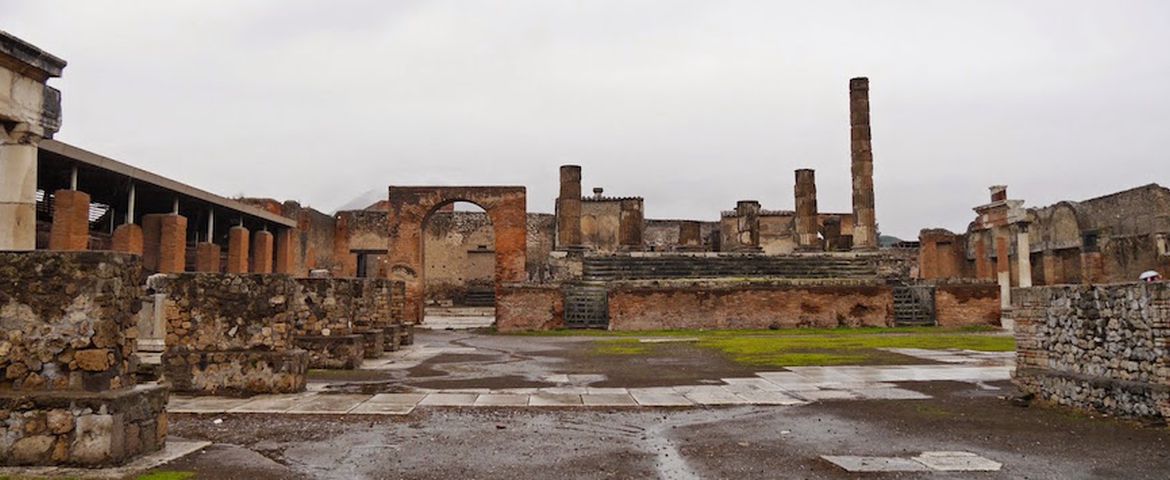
459 261
409 209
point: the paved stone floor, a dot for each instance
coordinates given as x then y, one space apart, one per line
792 386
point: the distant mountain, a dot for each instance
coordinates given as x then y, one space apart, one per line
887 240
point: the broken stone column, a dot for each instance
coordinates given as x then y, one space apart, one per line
1003 271
128 239
806 210
207 257
690 234
70 229
262 252
630 224
172 243
237 261
569 208
1023 256
861 152
30 110
748 221
18 189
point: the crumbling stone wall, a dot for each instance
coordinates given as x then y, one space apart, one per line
529 307
67 320
231 334
340 306
749 304
1099 348
67 384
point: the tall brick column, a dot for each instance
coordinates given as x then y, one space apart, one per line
151 235
569 207
70 230
284 252
172 245
207 257
128 238
806 210
237 261
262 252
1052 270
982 263
861 153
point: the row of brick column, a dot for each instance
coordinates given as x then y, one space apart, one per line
161 240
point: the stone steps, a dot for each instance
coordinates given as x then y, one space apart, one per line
739 266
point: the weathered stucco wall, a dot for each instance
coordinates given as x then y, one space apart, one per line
750 305
529 307
1099 348
459 253
962 304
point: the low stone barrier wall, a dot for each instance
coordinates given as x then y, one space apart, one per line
67 384
342 305
529 307
749 304
334 351
230 334
1095 347
236 373
374 342
964 304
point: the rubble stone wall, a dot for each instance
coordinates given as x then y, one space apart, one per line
1095 347
67 320
735 304
343 305
223 311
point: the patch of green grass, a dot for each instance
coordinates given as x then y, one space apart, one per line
850 349
758 332
166 475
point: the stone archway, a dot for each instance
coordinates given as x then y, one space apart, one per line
409 209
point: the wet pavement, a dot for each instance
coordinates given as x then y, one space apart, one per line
465 405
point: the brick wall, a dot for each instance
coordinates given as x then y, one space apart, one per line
750 305
961 304
529 307
1099 348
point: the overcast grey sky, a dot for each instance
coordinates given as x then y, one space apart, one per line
690 104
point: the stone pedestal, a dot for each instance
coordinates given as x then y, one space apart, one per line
128 239
375 342
82 429
337 352
239 373
70 230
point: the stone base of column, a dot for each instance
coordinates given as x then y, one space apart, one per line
128 239
83 429
207 256
70 230
236 372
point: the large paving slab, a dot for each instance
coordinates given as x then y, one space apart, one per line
328 404
608 400
449 400
854 463
554 400
501 400
656 398
957 462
